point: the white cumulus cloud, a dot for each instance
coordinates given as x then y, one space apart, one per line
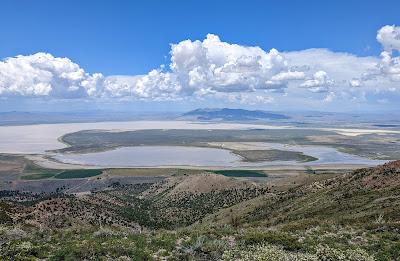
387 70
200 69
320 82
389 37
42 74
215 66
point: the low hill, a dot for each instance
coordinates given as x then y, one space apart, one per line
173 202
227 114
358 198
197 184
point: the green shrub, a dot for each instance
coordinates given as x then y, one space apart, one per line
266 252
326 253
287 241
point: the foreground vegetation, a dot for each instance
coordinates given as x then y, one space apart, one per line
226 242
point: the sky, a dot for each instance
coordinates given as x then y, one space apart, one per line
179 55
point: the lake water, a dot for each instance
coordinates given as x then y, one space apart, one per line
154 156
151 156
325 155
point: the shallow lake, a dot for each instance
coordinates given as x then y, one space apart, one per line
325 155
151 156
155 156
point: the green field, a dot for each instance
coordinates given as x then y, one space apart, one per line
36 176
241 173
31 171
78 173
63 174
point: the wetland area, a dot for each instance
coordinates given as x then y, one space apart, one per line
196 144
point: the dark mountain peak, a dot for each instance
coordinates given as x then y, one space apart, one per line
232 114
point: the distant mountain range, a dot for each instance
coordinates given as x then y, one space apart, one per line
232 115
22 118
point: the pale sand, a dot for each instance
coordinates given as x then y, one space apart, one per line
358 132
36 139
44 162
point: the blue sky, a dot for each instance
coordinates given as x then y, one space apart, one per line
133 38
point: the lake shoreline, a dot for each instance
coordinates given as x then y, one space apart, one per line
45 162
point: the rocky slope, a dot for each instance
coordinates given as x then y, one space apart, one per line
360 197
